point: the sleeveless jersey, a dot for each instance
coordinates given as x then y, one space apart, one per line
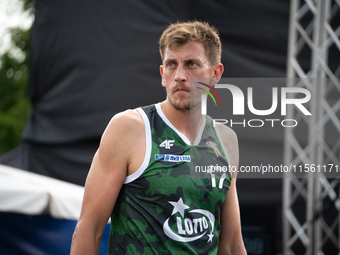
171 205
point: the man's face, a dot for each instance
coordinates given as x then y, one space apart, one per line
182 63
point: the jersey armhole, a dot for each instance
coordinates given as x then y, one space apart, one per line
140 171
219 136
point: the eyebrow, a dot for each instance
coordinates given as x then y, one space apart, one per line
197 60
170 60
193 60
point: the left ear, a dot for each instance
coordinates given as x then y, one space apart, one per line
217 72
161 70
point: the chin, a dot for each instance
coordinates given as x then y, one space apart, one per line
181 106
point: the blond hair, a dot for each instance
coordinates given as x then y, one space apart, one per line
192 31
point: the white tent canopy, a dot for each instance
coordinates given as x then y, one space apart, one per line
29 193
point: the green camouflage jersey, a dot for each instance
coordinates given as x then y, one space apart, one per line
171 205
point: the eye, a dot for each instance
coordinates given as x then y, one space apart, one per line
192 64
170 64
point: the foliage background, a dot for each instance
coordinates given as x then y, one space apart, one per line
15 105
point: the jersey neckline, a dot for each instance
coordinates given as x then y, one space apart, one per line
181 135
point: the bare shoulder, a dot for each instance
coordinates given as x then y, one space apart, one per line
129 119
227 134
123 132
124 125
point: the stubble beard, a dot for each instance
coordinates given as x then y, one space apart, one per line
182 107
186 107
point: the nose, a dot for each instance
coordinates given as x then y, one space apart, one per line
180 75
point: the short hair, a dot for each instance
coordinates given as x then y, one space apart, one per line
193 31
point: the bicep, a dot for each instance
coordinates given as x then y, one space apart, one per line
101 191
230 214
106 176
105 179
231 236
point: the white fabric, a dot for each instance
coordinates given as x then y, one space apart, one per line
29 193
148 148
165 119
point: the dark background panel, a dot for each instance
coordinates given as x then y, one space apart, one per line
91 60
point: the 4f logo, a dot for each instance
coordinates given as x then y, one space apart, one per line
167 144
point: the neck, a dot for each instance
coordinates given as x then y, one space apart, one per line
187 122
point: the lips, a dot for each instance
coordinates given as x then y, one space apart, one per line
181 87
182 90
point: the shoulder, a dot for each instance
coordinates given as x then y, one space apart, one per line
127 117
230 144
125 122
227 134
123 128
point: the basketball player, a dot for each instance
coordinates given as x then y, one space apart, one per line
142 174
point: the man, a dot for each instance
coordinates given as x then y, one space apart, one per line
141 173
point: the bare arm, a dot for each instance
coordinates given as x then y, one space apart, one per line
231 237
106 176
231 241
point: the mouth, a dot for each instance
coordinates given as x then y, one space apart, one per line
182 90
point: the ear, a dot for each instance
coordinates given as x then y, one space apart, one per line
161 70
217 72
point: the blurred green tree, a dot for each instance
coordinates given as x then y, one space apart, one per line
15 105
